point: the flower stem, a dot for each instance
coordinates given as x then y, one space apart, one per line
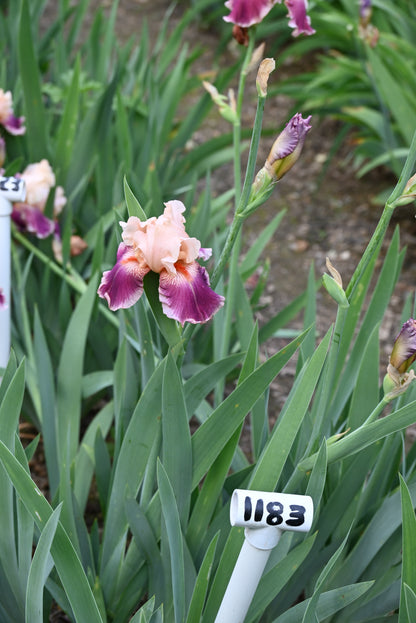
237 123
72 278
384 221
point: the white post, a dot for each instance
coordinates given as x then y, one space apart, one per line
11 189
264 516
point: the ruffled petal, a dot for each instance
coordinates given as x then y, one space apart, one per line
122 286
187 296
245 13
205 253
31 219
15 125
298 19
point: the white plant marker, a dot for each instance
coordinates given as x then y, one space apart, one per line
11 189
264 516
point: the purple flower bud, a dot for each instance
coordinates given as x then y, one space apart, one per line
365 9
404 349
287 147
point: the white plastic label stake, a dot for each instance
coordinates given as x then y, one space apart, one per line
255 509
11 189
264 516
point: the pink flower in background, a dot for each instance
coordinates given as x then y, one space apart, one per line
298 18
14 125
29 216
162 245
246 13
3 304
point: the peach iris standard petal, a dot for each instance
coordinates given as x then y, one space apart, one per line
187 296
39 179
162 241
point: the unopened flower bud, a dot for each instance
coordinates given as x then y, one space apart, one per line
399 377
404 349
287 147
266 67
409 193
227 109
333 285
365 12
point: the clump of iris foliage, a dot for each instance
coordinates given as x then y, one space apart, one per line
112 393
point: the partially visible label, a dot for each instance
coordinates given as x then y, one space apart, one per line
12 188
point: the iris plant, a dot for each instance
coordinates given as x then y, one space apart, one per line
162 245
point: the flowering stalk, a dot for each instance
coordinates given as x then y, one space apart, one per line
393 201
237 121
239 217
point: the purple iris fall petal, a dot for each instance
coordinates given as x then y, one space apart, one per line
205 253
3 302
122 286
246 13
186 296
298 19
14 125
31 219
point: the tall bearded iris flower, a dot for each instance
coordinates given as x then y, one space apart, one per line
246 13
162 245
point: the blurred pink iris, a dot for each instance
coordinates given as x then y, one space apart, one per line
29 216
14 125
298 18
162 245
3 303
246 13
